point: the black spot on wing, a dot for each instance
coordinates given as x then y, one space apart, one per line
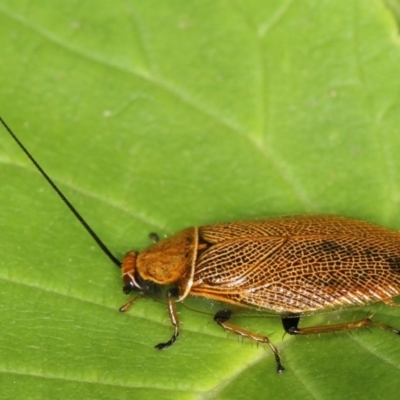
394 263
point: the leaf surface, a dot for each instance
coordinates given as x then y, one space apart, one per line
154 116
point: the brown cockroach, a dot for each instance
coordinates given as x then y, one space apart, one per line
291 265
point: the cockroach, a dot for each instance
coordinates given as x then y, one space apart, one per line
291 266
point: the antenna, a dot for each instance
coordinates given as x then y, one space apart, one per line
91 232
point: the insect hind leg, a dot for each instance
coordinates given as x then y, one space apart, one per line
290 324
222 317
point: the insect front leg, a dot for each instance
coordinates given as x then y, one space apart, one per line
171 294
125 307
222 317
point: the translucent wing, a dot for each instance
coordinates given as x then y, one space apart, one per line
298 264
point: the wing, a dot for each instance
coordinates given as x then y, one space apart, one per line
300 264
307 225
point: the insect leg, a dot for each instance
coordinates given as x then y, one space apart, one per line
222 317
125 307
290 324
174 320
154 237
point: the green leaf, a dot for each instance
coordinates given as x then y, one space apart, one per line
158 115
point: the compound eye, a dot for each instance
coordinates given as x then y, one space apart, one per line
127 289
129 284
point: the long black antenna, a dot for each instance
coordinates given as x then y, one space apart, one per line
63 198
